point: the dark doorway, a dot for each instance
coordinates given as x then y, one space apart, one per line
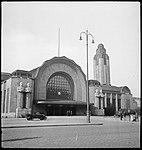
60 110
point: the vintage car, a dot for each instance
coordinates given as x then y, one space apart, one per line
36 116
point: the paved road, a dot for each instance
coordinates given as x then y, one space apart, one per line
112 134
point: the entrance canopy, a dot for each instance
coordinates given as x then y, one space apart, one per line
61 102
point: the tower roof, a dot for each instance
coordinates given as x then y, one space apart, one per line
100 49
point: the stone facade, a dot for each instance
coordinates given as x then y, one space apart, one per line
59 85
107 97
11 99
55 66
24 90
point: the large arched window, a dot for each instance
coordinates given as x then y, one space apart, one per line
59 87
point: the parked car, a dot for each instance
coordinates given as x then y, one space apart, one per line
36 116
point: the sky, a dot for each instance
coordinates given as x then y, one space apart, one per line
30 32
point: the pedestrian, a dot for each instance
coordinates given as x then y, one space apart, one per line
132 118
129 116
137 117
71 112
124 115
121 116
67 112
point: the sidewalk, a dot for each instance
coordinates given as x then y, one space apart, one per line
62 121
51 121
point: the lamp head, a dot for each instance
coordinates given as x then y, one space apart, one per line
93 41
80 38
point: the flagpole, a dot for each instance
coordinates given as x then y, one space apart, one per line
59 43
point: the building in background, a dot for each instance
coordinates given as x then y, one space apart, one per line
101 66
107 99
58 86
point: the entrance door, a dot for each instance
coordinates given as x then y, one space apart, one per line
60 110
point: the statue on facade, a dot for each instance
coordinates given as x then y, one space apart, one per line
97 92
20 88
101 93
28 95
28 88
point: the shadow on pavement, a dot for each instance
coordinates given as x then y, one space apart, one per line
18 139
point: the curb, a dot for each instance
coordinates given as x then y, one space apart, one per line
50 125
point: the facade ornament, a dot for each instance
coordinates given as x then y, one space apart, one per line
28 95
20 88
97 92
28 88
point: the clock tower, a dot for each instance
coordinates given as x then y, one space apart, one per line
101 66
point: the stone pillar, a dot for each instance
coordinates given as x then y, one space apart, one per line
97 102
97 98
116 102
111 98
101 99
28 95
28 99
105 100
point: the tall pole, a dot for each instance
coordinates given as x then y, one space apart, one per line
59 43
87 90
87 86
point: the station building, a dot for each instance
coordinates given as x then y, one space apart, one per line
59 85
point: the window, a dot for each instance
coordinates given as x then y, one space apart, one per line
59 87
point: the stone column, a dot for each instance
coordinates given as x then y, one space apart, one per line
96 102
28 100
116 102
101 98
28 95
111 98
97 98
105 100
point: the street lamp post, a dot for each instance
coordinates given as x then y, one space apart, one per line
87 90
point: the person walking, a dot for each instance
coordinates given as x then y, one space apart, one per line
132 118
124 115
121 116
129 116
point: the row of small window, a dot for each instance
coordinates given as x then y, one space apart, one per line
21 74
51 86
58 82
58 79
58 89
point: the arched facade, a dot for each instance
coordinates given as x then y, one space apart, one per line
60 82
